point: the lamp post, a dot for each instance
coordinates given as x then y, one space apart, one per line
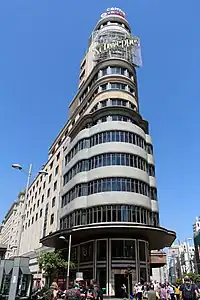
69 257
29 173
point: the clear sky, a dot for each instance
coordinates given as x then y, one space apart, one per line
41 45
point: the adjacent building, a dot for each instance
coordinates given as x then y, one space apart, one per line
100 188
10 228
196 237
180 260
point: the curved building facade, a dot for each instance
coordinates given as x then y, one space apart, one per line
109 202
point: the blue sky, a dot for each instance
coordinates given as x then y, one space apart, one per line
42 44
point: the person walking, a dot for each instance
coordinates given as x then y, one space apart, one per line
188 290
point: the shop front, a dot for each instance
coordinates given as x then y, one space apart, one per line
107 261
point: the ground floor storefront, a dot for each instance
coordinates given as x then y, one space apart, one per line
107 260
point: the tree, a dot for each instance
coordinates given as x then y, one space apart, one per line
193 276
52 263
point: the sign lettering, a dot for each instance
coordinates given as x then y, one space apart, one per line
115 44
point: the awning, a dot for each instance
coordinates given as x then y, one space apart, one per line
25 270
157 237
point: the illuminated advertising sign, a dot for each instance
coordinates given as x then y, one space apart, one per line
113 11
127 48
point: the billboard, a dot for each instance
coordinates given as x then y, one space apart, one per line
111 44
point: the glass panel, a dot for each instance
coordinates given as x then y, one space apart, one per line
101 250
86 252
101 279
143 275
129 249
117 249
142 252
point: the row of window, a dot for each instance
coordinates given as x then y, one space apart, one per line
120 250
107 137
109 185
39 215
117 86
113 102
109 159
41 177
29 212
110 213
110 118
117 70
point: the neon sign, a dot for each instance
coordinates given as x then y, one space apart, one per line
113 11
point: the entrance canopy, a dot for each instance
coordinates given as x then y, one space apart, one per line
158 237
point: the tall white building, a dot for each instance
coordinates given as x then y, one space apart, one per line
100 186
181 259
10 228
196 226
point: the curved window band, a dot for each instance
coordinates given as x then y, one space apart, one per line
108 159
110 184
107 137
110 213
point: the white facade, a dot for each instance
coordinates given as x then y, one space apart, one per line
196 226
11 226
160 274
41 212
182 256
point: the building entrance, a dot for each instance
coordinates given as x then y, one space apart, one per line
119 281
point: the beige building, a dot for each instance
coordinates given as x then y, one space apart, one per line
10 228
100 186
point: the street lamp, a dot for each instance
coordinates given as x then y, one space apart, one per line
29 173
69 256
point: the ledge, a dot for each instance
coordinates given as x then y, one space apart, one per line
157 237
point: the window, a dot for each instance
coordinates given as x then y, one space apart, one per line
44 184
110 213
50 177
104 87
42 198
109 184
53 201
58 156
38 203
40 212
48 193
55 185
36 217
106 159
52 219
56 170
32 220
105 137
34 207
51 165
104 72
101 250
118 86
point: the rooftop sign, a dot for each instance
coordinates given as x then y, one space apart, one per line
113 11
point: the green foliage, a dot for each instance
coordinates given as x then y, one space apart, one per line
179 281
193 276
53 262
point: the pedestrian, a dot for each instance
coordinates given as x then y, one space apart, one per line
73 292
151 293
163 292
188 290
